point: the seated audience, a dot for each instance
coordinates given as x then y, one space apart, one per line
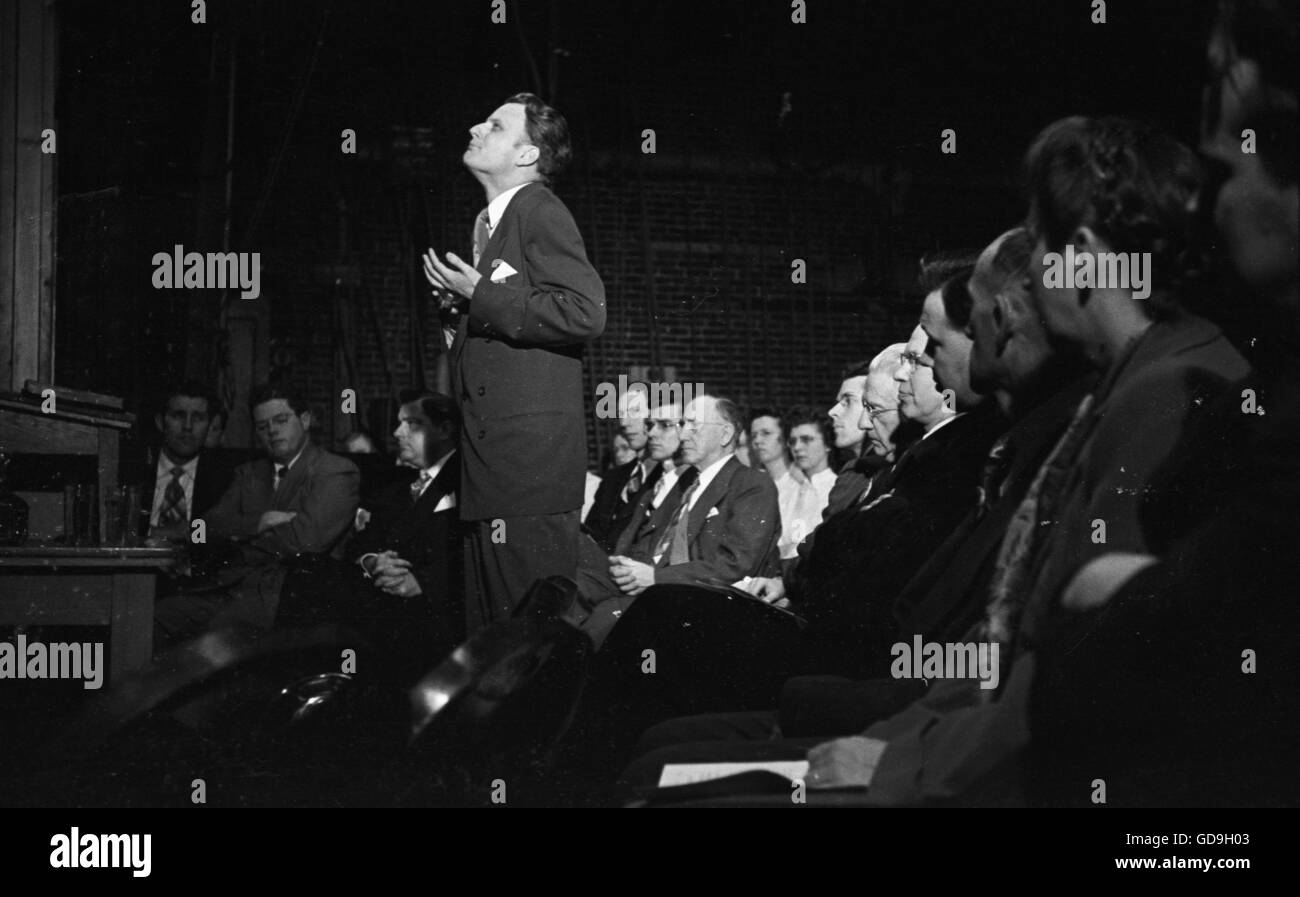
619 488
403 587
300 500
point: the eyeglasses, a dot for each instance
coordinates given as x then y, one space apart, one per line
874 413
279 420
685 425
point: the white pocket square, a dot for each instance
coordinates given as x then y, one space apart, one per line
713 512
501 270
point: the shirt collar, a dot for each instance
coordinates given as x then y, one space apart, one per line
166 464
497 207
940 425
293 460
708 473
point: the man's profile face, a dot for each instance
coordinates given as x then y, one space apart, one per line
280 431
880 417
765 440
847 413
949 348
184 424
919 398
664 438
500 145
633 429
704 433
412 434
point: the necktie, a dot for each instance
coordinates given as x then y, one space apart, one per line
173 508
417 487
633 483
676 541
994 475
480 235
1029 530
280 470
661 487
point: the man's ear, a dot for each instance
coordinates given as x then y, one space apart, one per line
528 155
1004 314
305 417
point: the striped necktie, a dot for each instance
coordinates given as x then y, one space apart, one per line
676 540
481 235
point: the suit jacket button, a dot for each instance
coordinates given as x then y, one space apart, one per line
482 433
481 390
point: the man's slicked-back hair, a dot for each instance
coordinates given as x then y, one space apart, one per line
939 267
195 390
1132 184
266 392
438 408
855 369
548 131
957 300
730 412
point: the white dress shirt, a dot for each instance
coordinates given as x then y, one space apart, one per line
163 477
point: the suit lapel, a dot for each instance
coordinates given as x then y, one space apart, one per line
712 494
294 478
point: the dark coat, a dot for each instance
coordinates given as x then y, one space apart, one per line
516 364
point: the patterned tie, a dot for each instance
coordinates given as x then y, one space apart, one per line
633 483
480 235
676 540
417 487
280 470
1030 528
173 509
994 475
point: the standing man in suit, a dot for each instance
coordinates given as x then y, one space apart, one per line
300 500
523 311
186 481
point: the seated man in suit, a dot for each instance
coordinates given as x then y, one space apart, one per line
1038 384
300 500
650 514
725 526
186 480
619 489
861 558
403 587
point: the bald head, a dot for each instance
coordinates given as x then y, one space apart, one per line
1011 342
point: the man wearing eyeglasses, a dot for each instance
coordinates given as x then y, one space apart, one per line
728 522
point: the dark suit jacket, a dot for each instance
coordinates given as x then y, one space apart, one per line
323 489
211 479
863 557
430 541
516 364
959 738
733 529
610 514
645 527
